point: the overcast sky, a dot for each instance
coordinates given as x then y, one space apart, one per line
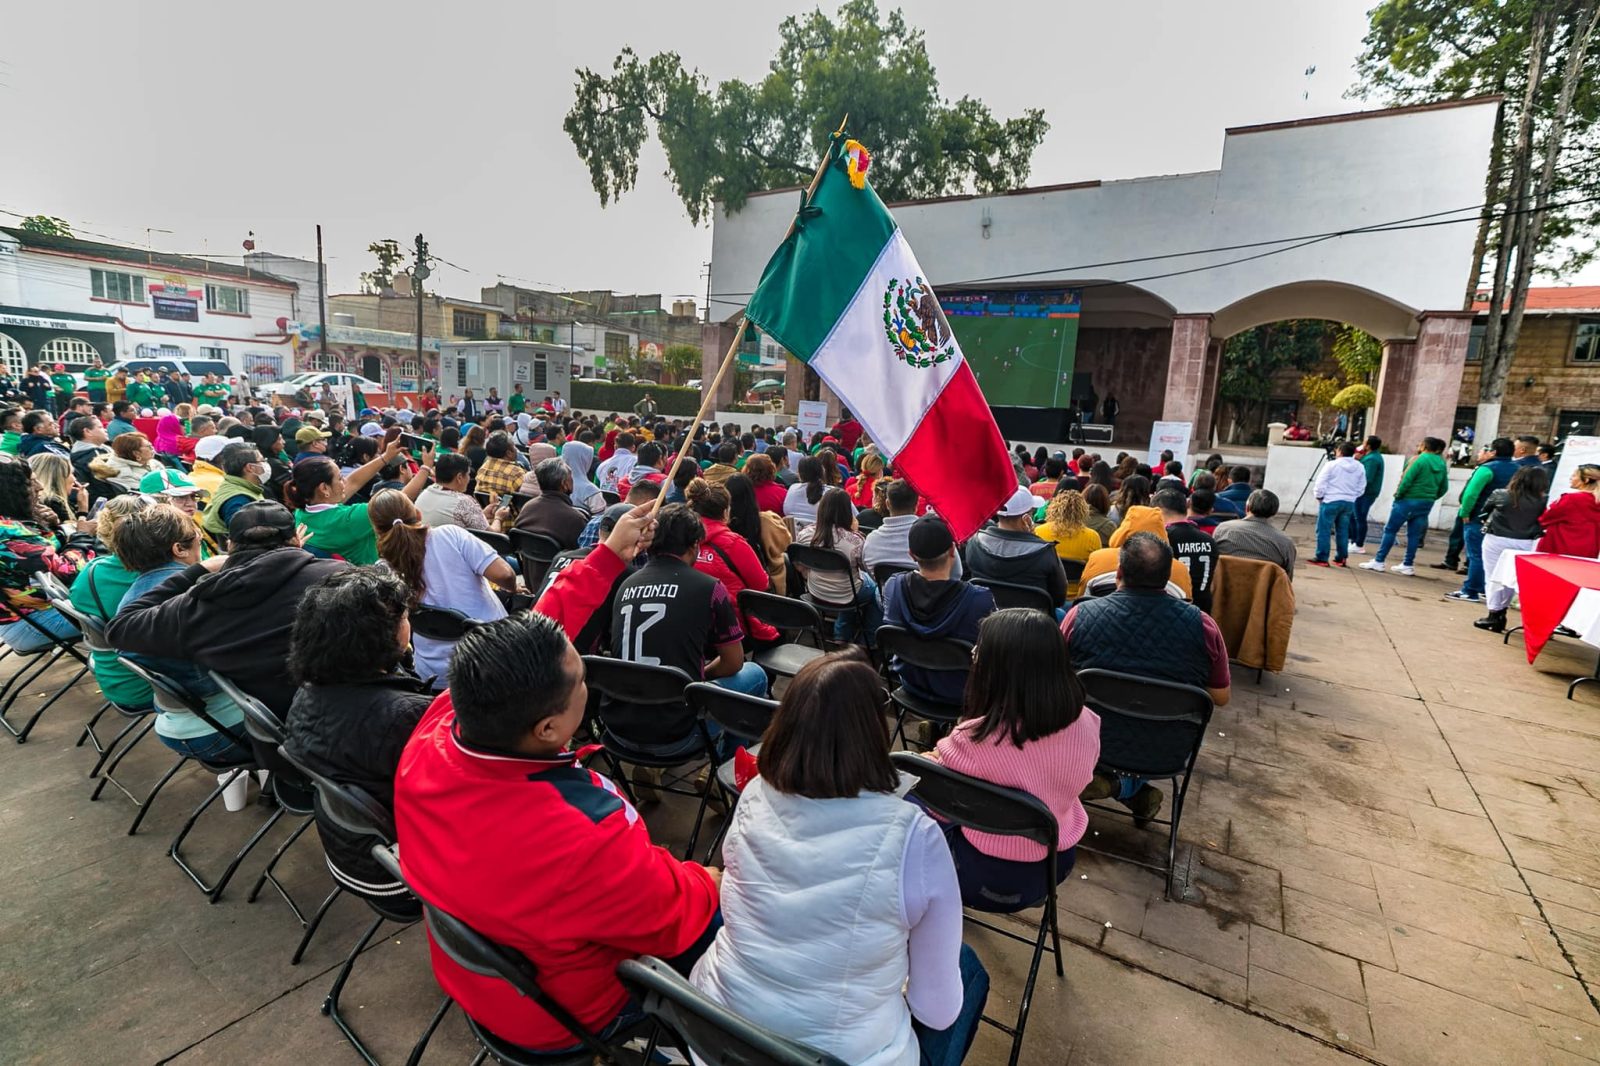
380 120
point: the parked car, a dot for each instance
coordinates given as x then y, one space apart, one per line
314 380
195 368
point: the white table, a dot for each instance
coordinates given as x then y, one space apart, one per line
1583 618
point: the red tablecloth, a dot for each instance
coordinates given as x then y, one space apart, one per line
1547 585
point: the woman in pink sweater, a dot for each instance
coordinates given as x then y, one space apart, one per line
1025 727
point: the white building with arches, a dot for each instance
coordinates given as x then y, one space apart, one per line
64 300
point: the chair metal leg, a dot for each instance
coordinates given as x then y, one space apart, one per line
1027 989
116 760
267 875
5 708
144 808
88 730
330 1005
316 920
427 1034
700 815
110 749
174 850
22 737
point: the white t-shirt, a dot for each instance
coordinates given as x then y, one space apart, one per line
797 506
452 576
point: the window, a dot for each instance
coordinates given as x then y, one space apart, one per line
227 300
1586 349
1577 423
71 352
165 352
616 349
409 371
541 375
470 324
1475 342
12 358
111 285
263 368
324 362
214 353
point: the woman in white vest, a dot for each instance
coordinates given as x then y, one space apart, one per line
842 915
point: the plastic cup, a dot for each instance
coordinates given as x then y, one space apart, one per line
236 789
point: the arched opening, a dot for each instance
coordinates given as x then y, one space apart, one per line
74 353
13 359
1328 300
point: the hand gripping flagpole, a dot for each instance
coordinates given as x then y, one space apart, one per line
710 397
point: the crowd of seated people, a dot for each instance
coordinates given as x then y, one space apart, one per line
289 555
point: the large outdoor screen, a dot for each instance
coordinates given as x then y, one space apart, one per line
1021 345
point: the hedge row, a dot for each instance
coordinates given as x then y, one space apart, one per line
603 397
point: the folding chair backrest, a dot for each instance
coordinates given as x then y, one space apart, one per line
535 551
265 730
477 954
1148 727
351 807
825 559
884 571
926 653
1008 594
93 630
716 1035
498 541
977 804
781 612
441 623
1074 569
744 716
641 704
518 499
169 694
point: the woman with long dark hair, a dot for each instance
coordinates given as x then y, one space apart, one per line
321 496
1024 726
1099 501
443 566
1135 492
842 911
835 528
800 503
726 554
762 529
1510 523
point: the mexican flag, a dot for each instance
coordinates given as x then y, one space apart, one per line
845 295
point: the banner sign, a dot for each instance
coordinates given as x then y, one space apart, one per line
813 418
1169 436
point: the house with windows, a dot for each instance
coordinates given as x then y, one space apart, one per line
388 357
1553 385
369 324
66 300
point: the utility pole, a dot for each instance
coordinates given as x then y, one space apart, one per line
419 274
706 318
322 298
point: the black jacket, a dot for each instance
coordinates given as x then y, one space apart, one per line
353 734
1018 558
236 621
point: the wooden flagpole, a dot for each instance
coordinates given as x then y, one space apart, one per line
709 400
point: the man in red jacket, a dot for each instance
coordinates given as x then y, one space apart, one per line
500 826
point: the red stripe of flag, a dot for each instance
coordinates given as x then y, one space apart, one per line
957 458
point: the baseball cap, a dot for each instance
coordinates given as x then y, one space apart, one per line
61 366
168 483
308 434
929 538
369 412
612 515
261 518
208 448
371 429
317 414
208 410
1021 502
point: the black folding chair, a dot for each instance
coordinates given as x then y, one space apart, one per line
94 639
477 954
1008 594
290 786
1074 569
716 1035
826 560
794 619
42 658
610 497
902 647
518 499
972 803
535 551
498 541
884 571
1149 729
645 720
742 717
171 694
441 623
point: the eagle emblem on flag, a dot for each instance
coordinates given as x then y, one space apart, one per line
913 325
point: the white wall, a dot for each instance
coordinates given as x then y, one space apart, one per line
1289 466
51 282
1273 184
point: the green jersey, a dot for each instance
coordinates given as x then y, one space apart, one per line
212 393
516 404
95 381
65 384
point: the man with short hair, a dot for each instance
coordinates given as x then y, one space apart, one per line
446 503
500 473
88 439
594 530
1190 545
646 406
244 473
932 602
791 444
1425 480
500 826
1253 536
1009 551
39 435
1526 450
1236 493
647 467
1140 630
1201 504
1493 473
552 512
1338 486
621 463
94 380
891 541
1372 466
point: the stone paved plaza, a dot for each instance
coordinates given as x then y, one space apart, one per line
1389 857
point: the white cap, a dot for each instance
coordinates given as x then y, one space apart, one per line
1021 502
371 429
208 448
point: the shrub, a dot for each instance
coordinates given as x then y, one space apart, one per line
602 397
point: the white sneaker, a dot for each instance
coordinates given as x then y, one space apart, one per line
1373 565
1356 549
1404 569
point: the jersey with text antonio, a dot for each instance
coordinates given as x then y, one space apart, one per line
670 614
1194 548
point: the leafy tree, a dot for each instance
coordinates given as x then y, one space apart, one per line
1353 398
389 256
48 225
680 360
1358 353
1541 192
1319 391
726 141
1250 359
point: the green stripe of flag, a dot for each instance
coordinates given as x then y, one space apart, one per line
817 270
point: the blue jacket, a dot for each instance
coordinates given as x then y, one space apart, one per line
1237 493
936 609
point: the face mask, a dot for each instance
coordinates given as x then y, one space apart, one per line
261 470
